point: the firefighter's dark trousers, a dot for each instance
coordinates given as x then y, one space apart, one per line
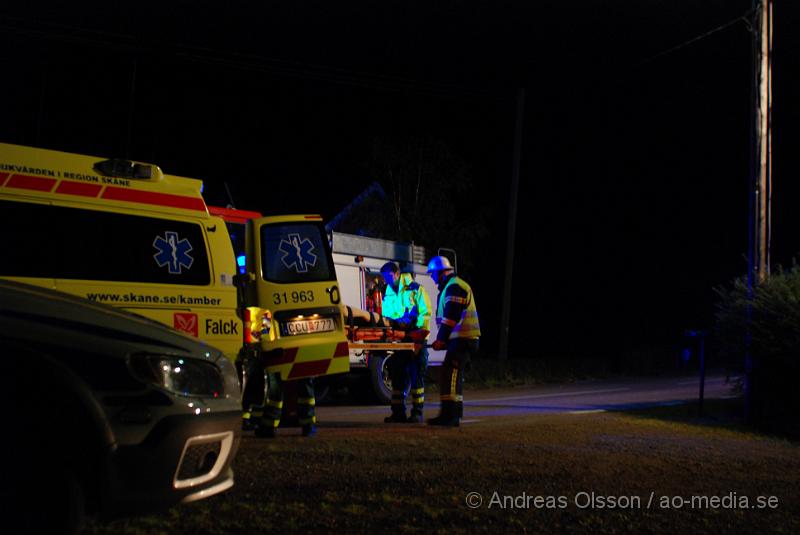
451 376
274 405
252 371
407 372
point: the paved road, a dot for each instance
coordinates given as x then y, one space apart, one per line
580 397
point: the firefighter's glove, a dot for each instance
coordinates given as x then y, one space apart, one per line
402 325
410 316
439 345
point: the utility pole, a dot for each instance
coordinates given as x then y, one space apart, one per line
505 318
760 233
764 138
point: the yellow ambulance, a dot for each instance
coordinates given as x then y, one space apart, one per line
126 234
119 233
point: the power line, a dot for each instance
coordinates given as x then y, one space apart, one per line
249 62
741 18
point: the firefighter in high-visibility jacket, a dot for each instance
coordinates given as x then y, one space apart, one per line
459 331
406 303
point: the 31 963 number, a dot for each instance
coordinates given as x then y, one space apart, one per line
305 296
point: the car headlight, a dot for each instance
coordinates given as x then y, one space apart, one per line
184 376
231 379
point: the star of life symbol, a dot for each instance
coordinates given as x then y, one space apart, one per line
297 253
173 252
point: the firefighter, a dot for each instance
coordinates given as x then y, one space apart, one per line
459 331
274 407
251 375
406 303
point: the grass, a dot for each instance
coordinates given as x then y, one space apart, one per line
485 372
491 373
416 479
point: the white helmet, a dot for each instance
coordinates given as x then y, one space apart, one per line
439 263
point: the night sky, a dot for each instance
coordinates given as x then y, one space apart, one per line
635 158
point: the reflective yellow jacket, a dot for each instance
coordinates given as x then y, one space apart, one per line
456 313
411 299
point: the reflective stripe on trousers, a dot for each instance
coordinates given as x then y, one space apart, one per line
274 407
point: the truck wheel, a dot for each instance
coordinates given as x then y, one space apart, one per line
379 377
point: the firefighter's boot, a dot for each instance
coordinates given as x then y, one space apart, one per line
266 432
397 417
251 418
306 407
418 402
445 421
398 408
448 417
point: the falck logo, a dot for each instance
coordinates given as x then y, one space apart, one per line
173 252
184 322
297 253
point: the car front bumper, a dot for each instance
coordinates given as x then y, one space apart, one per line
184 458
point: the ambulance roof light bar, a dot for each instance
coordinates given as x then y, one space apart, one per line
125 169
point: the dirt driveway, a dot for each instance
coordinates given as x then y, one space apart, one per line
657 470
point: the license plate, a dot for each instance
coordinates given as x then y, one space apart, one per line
292 328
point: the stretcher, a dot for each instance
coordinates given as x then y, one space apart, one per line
369 331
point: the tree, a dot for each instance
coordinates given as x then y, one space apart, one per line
428 199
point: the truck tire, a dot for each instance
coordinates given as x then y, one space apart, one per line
379 378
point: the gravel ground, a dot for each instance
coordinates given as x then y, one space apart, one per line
644 472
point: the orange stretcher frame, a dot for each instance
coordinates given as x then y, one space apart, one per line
385 339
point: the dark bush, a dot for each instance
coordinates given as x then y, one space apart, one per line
774 340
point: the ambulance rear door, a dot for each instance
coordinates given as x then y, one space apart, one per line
293 276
